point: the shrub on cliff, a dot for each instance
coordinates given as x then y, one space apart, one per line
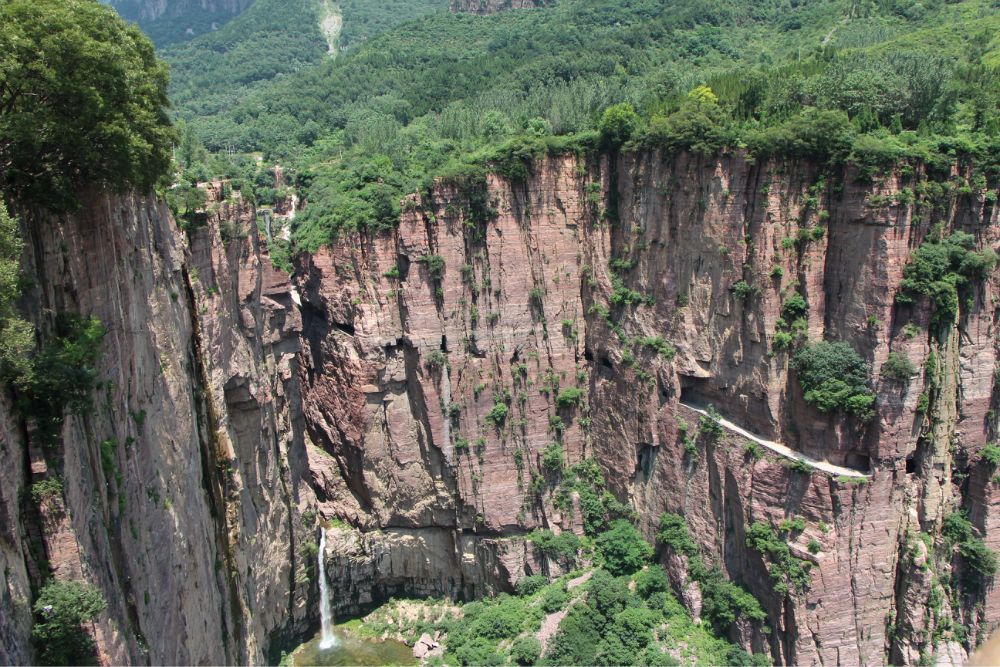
743 290
553 457
564 546
59 638
722 599
980 560
794 307
784 568
674 533
435 358
497 415
834 378
17 337
942 269
898 367
568 397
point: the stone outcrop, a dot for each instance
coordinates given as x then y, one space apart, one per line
487 7
403 389
145 11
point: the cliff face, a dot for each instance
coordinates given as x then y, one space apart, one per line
413 445
194 547
487 7
145 11
406 385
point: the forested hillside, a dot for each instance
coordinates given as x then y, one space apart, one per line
270 41
866 82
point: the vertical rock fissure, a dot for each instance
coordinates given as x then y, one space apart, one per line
215 484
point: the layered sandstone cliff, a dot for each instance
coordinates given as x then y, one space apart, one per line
520 289
364 391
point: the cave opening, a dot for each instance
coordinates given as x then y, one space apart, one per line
911 464
859 462
343 326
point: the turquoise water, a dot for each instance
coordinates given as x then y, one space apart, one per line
353 651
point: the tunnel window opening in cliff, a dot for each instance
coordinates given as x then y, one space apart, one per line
693 389
860 462
343 326
911 464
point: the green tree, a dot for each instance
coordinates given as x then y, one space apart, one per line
834 377
618 122
60 638
525 650
17 337
82 102
623 548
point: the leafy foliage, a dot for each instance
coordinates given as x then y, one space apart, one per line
942 269
785 569
59 638
622 548
525 650
569 397
435 358
497 415
61 375
553 457
980 561
82 102
898 367
834 378
723 600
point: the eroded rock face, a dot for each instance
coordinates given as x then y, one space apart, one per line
144 11
405 372
406 385
487 7
195 547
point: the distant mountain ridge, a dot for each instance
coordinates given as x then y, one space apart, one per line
170 21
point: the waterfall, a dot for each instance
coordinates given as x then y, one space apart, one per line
327 639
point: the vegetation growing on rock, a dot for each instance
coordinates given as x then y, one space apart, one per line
834 377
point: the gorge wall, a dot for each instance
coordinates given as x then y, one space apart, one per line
365 390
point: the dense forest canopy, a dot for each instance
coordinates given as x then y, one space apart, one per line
446 93
269 42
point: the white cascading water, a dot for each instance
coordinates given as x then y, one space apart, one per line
327 639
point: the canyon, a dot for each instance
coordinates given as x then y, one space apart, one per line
363 391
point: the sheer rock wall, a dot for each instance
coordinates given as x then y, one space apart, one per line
364 390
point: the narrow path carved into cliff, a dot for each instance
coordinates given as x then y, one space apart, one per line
778 448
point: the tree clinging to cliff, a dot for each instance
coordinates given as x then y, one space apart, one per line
83 102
